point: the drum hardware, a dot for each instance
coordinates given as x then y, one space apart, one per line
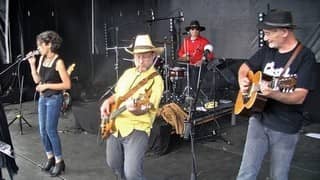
115 48
175 36
165 69
116 64
200 79
126 59
177 73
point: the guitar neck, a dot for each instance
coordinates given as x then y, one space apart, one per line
117 112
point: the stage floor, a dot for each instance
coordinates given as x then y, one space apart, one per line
84 154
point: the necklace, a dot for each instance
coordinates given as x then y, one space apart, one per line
48 61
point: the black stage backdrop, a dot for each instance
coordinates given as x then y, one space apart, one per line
91 27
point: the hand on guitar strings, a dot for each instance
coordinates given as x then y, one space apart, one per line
265 88
136 108
244 84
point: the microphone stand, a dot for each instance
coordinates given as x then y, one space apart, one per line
19 116
190 131
9 67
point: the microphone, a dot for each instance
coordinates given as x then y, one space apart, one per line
33 53
152 15
207 50
108 92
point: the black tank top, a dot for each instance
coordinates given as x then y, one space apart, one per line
50 75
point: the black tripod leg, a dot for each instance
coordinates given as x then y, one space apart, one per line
13 120
26 121
20 124
219 136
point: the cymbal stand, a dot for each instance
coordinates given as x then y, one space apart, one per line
166 72
200 79
116 50
188 87
186 91
116 65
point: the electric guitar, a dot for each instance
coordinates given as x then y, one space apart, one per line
254 101
66 96
107 125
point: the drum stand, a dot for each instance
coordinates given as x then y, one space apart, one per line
116 50
116 64
188 88
166 92
199 83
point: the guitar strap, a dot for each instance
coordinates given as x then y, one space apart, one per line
136 87
292 57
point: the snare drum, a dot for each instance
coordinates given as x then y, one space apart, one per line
176 73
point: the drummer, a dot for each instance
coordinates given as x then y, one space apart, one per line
192 51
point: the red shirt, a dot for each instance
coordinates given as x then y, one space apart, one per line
195 49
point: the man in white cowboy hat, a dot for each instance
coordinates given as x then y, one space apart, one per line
276 128
128 143
192 50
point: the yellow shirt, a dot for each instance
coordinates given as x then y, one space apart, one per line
126 122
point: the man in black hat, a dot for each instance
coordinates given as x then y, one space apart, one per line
276 128
192 50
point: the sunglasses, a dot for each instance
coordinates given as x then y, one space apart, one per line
194 28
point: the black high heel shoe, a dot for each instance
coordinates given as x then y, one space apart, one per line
49 164
58 169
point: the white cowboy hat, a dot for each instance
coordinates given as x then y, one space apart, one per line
143 44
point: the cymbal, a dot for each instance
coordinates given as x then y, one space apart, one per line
182 62
126 40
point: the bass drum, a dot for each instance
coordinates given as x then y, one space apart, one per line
177 73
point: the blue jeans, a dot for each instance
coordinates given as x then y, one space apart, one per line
260 140
125 155
49 112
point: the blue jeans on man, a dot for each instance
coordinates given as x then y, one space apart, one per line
260 140
49 113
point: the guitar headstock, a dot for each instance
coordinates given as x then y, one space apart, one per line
287 82
71 68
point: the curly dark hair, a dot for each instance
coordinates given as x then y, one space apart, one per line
50 37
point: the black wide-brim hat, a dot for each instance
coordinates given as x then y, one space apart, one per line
277 19
195 24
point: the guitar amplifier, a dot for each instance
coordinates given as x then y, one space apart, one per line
222 110
207 124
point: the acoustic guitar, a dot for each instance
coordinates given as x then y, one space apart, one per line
107 125
253 100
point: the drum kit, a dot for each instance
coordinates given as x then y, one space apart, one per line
177 83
